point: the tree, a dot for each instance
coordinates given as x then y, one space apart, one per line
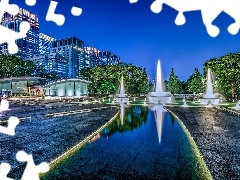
174 85
12 66
226 71
195 83
104 80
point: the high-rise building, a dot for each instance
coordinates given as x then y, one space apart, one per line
91 56
45 43
29 46
72 49
107 58
52 62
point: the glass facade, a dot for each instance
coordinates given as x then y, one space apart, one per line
72 49
29 46
52 62
108 58
69 87
91 56
45 43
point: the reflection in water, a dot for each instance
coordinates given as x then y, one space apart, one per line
122 112
130 117
131 150
96 137
159 116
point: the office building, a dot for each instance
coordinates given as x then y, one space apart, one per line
108 58
52 62
91 56
72 49
45 43
29 46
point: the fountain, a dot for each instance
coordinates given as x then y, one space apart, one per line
144 103
95 101
184 103
210 96
158 95
209 104
238 105
121 97
159 116
86 102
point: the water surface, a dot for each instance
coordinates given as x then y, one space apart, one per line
141 143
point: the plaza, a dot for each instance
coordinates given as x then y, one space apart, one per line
207 135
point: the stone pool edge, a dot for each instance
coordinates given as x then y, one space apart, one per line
202 164
55 162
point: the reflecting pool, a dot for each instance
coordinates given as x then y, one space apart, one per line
141 143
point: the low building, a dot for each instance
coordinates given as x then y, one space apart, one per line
67 88
17 85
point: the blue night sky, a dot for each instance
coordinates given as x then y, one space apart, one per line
138 36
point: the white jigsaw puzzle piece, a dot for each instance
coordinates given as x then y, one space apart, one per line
10 129
31 171
133 1
4 170
76 11
210 10
4 105
30 2
9 36
6 7
59 19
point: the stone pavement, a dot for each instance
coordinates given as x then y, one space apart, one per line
217 135
48 137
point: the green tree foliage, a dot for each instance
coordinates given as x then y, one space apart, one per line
195 83
135 116
12 66
226 71
104 80
174 85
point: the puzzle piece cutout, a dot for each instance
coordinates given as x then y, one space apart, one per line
7 35
4 170
12 122
31 171
10 129
210 10
4 105
59 19
10 8
30 2
133 1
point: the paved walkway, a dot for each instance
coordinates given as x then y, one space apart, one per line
217 134
48 137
